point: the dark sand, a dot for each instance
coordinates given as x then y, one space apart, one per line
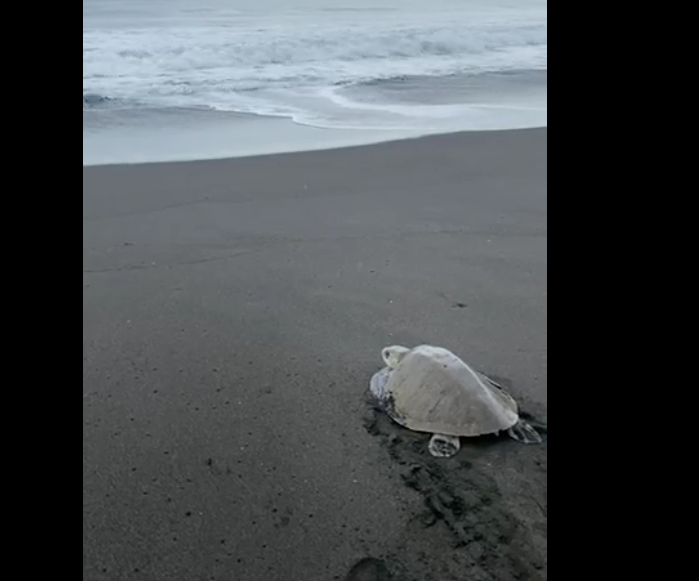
233 315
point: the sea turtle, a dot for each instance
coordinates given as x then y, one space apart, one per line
429 389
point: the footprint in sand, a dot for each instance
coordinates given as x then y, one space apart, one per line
369 570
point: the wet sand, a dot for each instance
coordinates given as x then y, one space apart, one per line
233 315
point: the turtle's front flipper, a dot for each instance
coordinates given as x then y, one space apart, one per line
525 433
379 387
444 446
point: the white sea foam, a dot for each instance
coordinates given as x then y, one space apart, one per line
220 60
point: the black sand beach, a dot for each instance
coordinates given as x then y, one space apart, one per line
233 314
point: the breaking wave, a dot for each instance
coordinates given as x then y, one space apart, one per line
205 66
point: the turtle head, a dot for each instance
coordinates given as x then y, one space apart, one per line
394 355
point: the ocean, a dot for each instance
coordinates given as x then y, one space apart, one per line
167 80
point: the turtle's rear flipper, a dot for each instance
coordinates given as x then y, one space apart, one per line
444 446
490 381
525 433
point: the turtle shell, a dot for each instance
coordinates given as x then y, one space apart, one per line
432 390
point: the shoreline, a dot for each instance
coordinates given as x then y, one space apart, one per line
341 117
234 312
339 148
